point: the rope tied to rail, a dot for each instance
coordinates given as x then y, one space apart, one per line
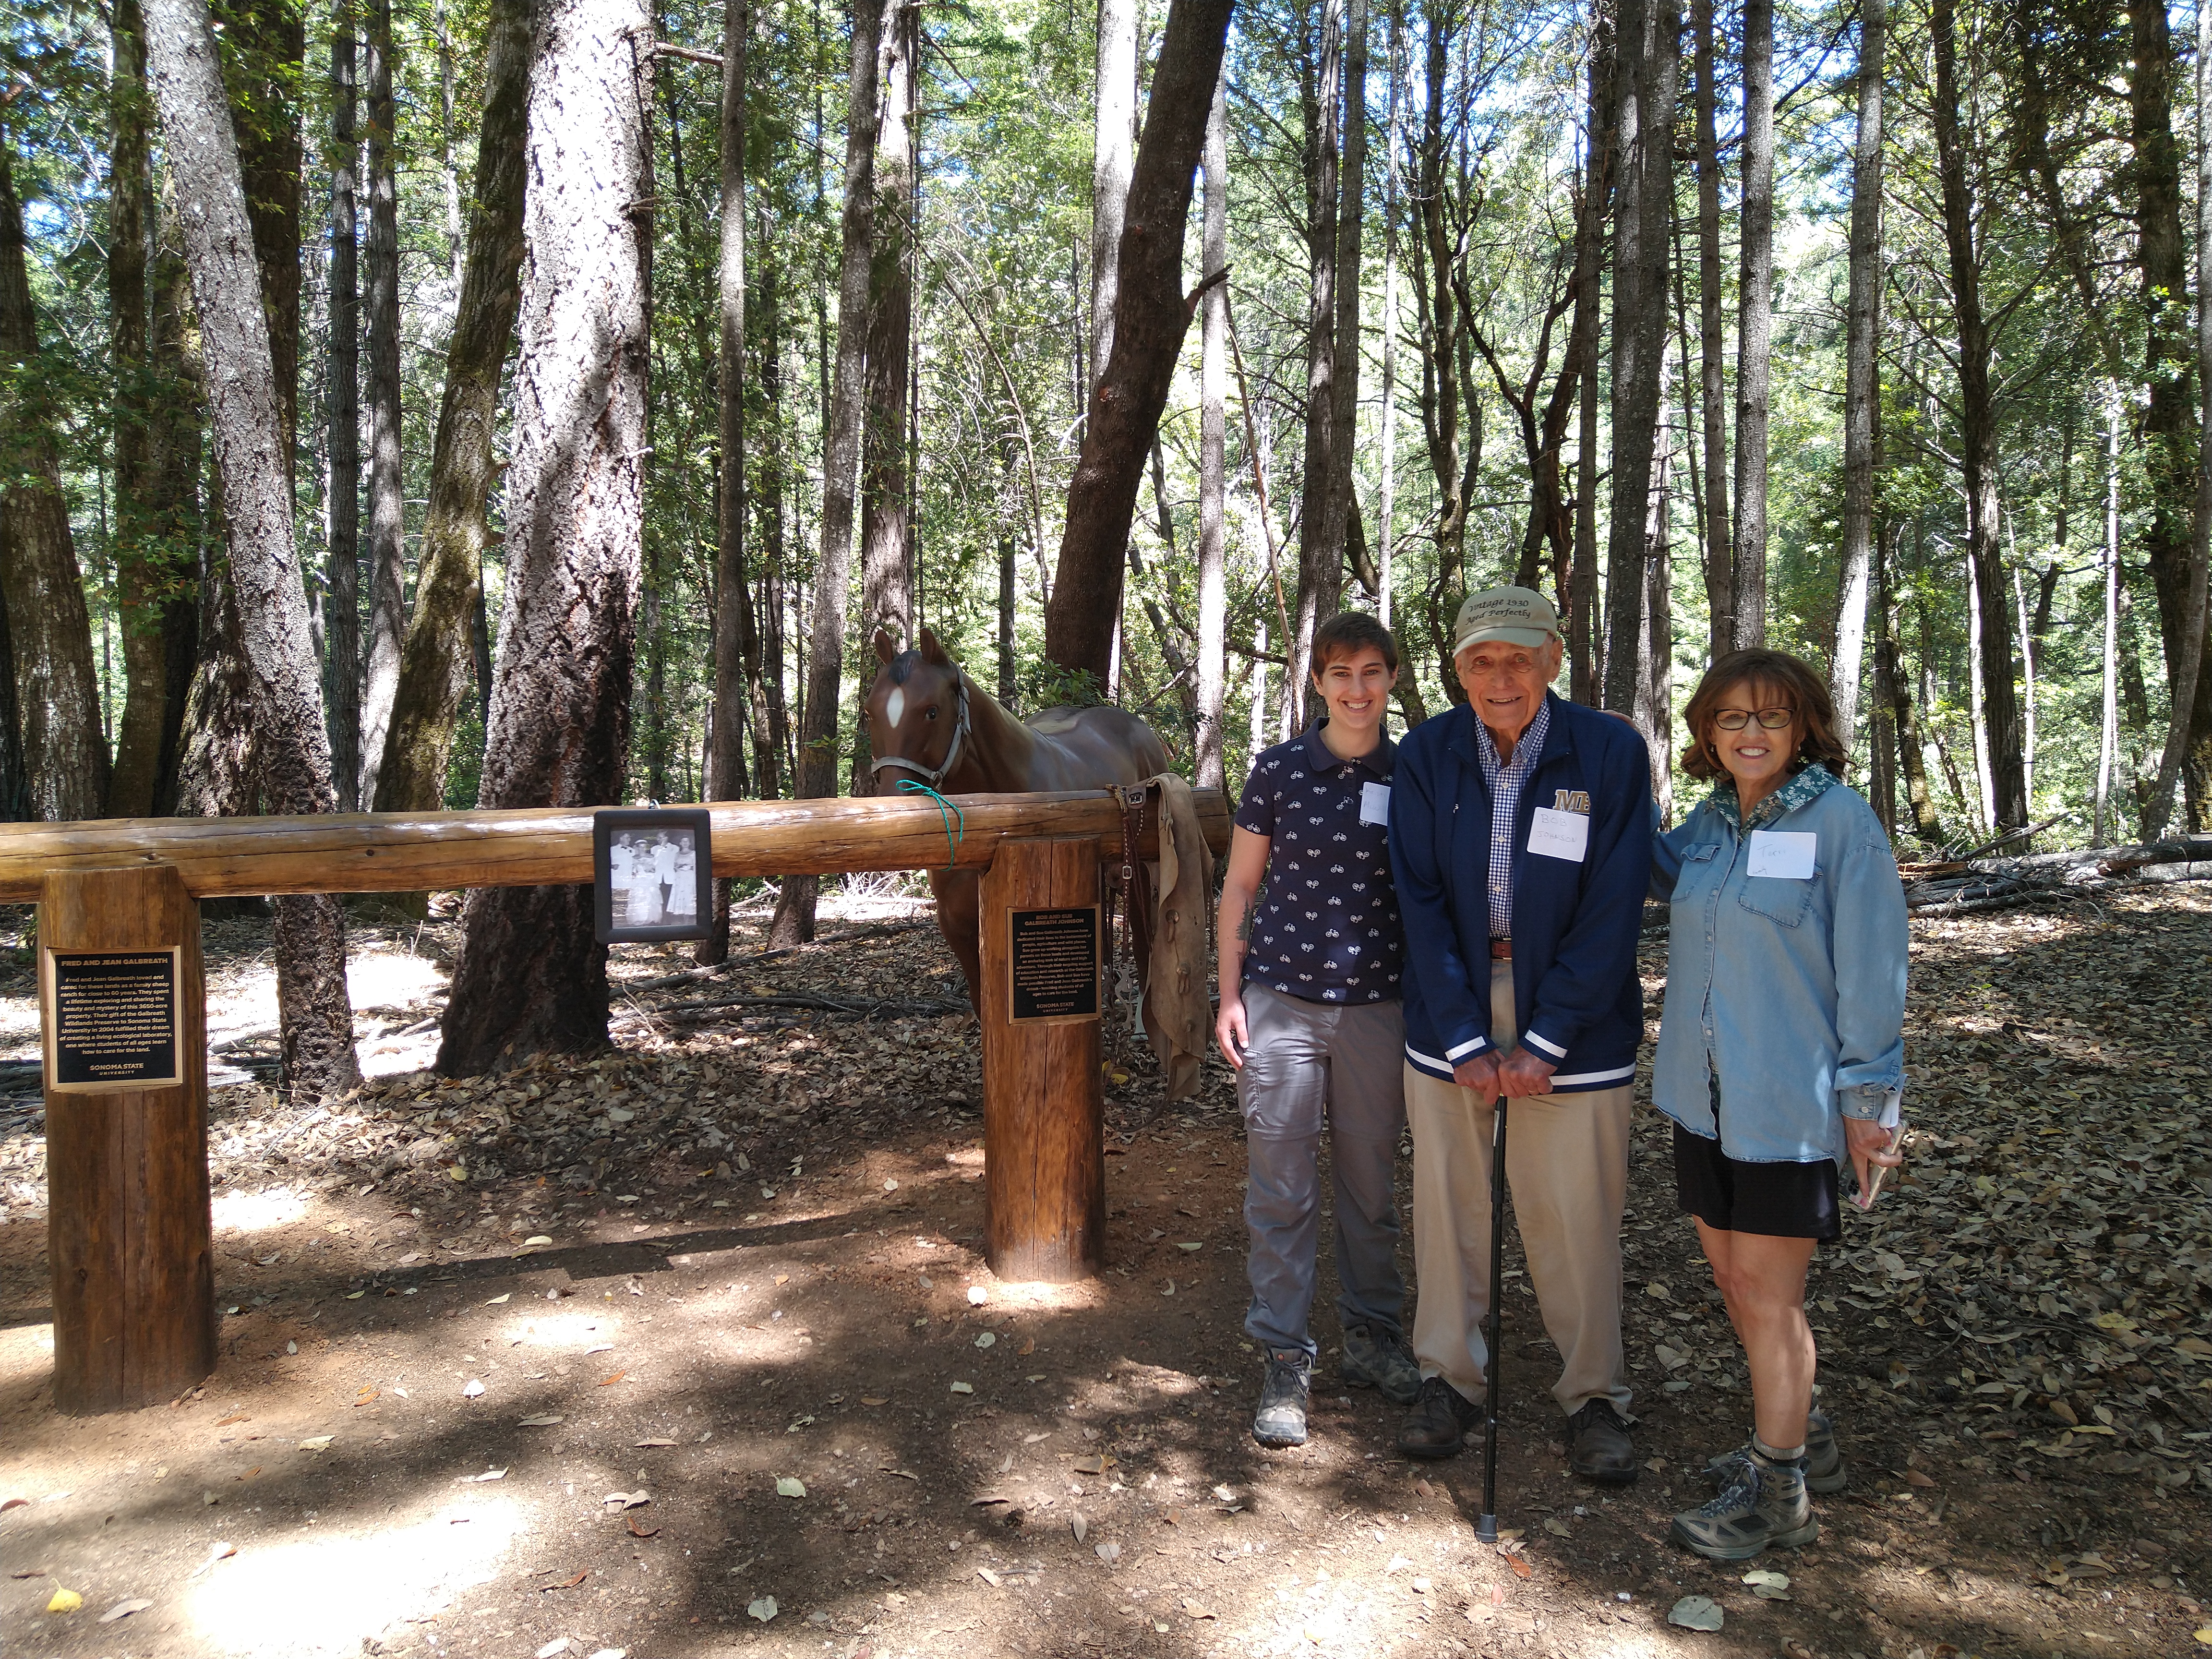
948 810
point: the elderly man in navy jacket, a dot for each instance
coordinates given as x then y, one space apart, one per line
1520 833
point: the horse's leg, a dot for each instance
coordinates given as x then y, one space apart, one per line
959 902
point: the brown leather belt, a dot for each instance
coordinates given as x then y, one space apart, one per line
1501 949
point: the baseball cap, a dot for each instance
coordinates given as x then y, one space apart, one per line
1516 616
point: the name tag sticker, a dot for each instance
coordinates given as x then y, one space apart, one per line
1785 854
1559 835
1374 803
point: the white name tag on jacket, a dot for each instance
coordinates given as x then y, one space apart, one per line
1786 854
1374 803
1559 835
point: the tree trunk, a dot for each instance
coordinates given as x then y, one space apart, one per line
57 692
1650 34
1435 307
1214 455
1320 561
1114 142
1712 383
147 573
726 755
175 460
1351 222
1881 725
531 977
2108 730
1387 515
342 568
1754 322
1600 169
1862 381
292 747
760 638
1151 317
840 456
886 580
2007 805
435 666
387 521
2169 418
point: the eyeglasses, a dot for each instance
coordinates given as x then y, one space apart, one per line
1770 719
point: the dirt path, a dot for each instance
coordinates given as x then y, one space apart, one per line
691 1350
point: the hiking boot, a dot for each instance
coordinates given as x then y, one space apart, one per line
1281 1417
1763 1503
1376 1357
1824 1472
1600 1448
1438 1424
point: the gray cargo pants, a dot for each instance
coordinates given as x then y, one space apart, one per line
1311 1064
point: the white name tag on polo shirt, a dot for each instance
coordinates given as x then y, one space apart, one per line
1786 854
1559 835
1374 803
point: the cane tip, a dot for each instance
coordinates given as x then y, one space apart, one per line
1486 1530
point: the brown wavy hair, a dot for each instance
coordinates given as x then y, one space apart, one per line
1803 690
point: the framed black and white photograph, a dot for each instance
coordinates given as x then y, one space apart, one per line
653 874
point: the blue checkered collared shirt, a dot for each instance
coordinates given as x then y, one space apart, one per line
1505 780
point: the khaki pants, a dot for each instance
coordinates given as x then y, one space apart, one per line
1566 1163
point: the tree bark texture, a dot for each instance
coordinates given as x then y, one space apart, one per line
1151 317
886 581
245 395
1114 142
1321 564
1351 222
531 977
2007 802
175 450
49 627
387 513
342 567
1862 373
1650 67
435 663
1213 452
1601 168
1712 349
1754 322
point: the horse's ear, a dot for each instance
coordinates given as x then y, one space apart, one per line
886 649
932 652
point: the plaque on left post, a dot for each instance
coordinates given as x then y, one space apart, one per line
653 874
116 1020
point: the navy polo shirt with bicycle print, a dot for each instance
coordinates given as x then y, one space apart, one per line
1326 926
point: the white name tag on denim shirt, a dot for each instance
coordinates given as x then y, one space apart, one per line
1786 854
1374 803
1559 835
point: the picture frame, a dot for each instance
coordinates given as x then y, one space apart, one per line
653 874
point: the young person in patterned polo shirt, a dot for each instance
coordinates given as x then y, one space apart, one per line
1309 1019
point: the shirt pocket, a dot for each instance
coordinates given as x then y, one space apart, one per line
1698 871
1777 898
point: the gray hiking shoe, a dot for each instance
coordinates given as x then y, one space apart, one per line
1281 1419
1376 1357
1763 1503
1825 1473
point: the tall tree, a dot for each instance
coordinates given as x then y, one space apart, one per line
436 661
841 458
1114 144
387 519
341 566
1601 141
270 603
1213 452
1649 46
2001 722
1340 510
1151 314
1712 366
886 507
1321 564
57 692
531 975
175 447
1861 383
1754 323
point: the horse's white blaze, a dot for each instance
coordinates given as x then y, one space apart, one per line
895 705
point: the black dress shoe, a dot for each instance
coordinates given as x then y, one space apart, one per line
1600 1449
1437 1425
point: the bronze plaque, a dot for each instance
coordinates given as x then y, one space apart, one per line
115 1019
1052 963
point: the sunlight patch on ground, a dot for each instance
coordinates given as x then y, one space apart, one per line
328 1593
243 1211
566 1330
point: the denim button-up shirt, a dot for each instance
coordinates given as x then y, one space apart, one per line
1785 997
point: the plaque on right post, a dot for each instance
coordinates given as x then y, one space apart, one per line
1052 964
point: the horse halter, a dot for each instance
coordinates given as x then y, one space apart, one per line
932 778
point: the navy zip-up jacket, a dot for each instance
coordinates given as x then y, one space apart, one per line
1575 921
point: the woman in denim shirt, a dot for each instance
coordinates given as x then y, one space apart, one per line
1781 1053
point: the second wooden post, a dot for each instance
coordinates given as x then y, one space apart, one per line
1044 1122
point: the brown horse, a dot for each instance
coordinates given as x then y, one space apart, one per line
929 720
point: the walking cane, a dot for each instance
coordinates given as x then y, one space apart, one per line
1486 1530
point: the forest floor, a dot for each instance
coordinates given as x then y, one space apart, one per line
691 1349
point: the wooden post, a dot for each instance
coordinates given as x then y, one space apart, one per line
129 1233
1044 1114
